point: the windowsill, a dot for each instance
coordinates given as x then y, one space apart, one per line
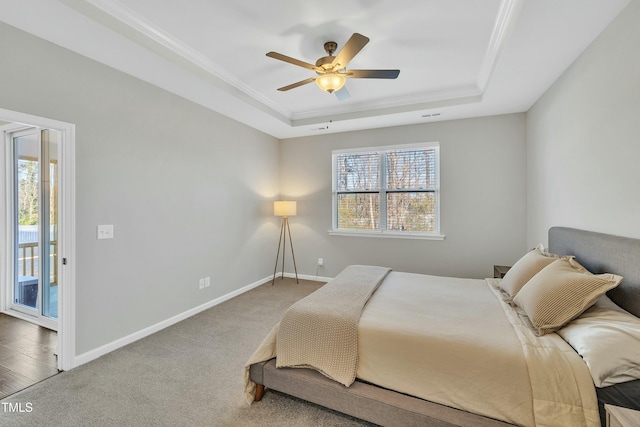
386 234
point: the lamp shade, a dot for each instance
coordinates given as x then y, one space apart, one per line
331 82
284 208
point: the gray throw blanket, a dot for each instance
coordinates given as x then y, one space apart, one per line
321 330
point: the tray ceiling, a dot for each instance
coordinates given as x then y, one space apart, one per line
458 58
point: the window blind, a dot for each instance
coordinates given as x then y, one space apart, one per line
358 172
393 189
411 170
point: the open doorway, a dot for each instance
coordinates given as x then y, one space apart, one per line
37 255
28 324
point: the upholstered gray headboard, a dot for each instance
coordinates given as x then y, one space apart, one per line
604 253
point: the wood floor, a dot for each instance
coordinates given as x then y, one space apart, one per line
26 354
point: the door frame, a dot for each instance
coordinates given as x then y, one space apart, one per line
66 238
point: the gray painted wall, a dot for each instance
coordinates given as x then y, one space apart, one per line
583 139
482 199
165 172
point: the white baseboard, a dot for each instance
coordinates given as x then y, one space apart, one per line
114 345
305 277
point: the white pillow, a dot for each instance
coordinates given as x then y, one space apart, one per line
608 339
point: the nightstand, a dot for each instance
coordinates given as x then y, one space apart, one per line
500 270
621 417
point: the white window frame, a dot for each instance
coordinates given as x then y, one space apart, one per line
383 232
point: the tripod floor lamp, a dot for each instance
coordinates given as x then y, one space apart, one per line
284 209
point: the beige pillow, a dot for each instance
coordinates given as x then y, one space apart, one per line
523 270
560 292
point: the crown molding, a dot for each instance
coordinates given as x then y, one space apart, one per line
224 80
508 14
455 95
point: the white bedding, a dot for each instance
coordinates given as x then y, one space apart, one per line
455 342
455 345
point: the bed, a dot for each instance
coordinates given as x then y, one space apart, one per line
458 374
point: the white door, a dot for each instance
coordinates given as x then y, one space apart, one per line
34 219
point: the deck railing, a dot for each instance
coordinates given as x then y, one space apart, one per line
28 260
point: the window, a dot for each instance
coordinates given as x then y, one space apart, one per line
391 191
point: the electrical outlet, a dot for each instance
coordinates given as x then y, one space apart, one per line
207 282
201 284
320 262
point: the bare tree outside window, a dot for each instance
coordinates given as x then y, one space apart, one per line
358 188
390 190
410 191
28 194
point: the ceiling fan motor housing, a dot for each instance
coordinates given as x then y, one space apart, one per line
325 63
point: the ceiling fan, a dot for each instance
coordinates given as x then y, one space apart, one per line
332 70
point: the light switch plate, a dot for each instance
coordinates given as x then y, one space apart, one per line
105 232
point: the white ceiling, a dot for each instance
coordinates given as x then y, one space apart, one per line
457 58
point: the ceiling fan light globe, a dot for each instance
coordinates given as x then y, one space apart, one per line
331 82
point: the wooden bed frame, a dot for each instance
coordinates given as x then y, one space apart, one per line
598 252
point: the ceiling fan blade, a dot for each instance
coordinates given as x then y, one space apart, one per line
349 50
295 85
290 60
373 74
342 94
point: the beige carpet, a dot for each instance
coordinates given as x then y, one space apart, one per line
189 374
